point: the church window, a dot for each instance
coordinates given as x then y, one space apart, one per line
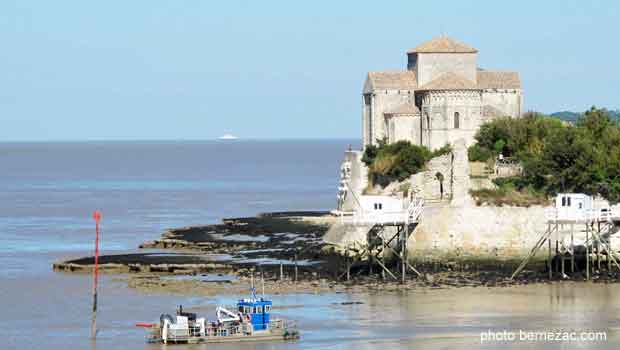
456 120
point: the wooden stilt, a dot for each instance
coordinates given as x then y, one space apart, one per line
385 269
383 259
409 265
572 248
598 247
539 245
609 257
348 269
557 253
281 272
563 259
403 256
549 260
587 254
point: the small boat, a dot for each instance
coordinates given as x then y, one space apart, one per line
228 137
250 323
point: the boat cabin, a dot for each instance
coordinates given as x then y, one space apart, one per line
258 310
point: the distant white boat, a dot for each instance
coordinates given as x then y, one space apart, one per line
228 137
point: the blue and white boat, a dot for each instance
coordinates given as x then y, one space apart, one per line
251 321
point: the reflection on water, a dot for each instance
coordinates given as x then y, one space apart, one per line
447 319
48 192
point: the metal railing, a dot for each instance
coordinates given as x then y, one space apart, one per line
584 215
212 330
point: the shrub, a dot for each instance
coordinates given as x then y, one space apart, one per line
447 148
556 157
396 161
475 153
370 153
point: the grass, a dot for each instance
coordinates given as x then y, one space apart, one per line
509 196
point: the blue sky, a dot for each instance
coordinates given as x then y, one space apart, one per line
146 69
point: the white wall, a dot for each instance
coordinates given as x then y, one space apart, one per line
432 65
384 101
507 101
404 128
388 204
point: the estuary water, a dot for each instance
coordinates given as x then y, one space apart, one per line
49 190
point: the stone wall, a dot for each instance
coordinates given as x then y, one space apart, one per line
439 111
508 102
404 128
382 101
430 66
468 232
426 184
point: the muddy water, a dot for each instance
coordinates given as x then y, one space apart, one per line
48 192
433 319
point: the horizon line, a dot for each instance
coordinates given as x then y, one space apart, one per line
216 139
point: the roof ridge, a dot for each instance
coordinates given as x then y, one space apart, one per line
442 44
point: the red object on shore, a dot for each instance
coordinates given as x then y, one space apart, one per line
97 217
145 325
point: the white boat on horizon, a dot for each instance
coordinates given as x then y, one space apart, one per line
228 137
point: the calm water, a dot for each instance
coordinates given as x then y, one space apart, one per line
48 192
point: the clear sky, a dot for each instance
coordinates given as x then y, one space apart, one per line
147 69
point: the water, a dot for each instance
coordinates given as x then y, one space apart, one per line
49 190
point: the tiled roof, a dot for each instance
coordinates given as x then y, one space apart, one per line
449 81
442 44
498 80
407 80
404 80
406 108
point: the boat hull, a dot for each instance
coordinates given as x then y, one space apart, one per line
279 334
261 336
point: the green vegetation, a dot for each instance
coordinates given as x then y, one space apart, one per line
572 117
397 161
510 191
556 157
508 196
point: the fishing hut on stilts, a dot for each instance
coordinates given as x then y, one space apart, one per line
578 236
388 222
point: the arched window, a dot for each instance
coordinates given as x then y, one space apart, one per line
456 120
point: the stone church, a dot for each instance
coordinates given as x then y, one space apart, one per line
441 97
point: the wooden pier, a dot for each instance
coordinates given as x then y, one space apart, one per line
387 233
565 252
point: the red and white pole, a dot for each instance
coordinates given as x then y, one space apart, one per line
97 217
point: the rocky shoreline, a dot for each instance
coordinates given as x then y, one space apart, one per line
287 250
